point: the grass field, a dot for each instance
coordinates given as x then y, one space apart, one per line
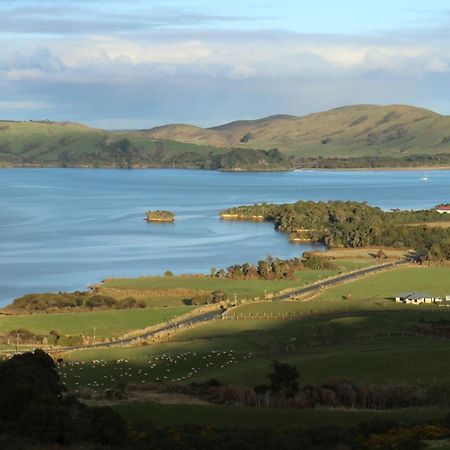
248 418
164 289
107 323
373 292
380 287
375 343
352 343
395 360
172 291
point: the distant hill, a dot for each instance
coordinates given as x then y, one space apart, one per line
351 136
350 131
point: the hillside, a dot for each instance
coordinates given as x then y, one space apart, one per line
65 144
350 131
352 136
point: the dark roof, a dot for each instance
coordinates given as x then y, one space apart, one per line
415 295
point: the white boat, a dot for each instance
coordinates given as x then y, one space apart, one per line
425 177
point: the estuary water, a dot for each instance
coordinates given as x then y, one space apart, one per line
63 229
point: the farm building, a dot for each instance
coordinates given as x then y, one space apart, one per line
416 298
443 209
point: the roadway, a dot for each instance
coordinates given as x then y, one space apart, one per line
341 278
202 317
206 316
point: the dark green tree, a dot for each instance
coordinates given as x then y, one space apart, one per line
283 379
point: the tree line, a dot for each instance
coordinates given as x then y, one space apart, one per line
285 391
271 268
76 301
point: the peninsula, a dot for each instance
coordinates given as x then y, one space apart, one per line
355 225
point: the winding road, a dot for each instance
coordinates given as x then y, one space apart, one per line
210 315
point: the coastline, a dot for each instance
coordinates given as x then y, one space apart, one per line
376 169
161 220
241 217
238 170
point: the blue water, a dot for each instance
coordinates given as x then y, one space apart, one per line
63 229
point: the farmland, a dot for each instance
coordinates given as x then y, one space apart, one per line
106 323
173 290
334 338
354 331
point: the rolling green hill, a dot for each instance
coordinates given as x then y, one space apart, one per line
351 136
350 131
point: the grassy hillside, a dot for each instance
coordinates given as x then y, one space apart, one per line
329 337
352 136
350 131
366 338
70 144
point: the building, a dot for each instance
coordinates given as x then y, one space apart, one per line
443 209
416 298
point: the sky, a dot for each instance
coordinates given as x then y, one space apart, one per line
142 63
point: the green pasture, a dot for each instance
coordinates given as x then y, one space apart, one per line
347 265
375 340
242 288
219 416
109 323
397 360
103 368
385 286
368 348
373 292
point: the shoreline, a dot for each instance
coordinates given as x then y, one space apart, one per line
376 169
256 170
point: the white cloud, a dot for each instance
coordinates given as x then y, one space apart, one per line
108 59
158 75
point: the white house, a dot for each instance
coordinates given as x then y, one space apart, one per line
443 209
416 298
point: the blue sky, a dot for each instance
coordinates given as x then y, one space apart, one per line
138 64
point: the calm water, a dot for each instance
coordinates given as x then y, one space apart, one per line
62 229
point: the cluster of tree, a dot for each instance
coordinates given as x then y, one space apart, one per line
79 301
128 153
35 410
206 298
356 224
285 391
23 336
314 261
274 268
247 159
371 162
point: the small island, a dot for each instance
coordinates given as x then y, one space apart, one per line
160 216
